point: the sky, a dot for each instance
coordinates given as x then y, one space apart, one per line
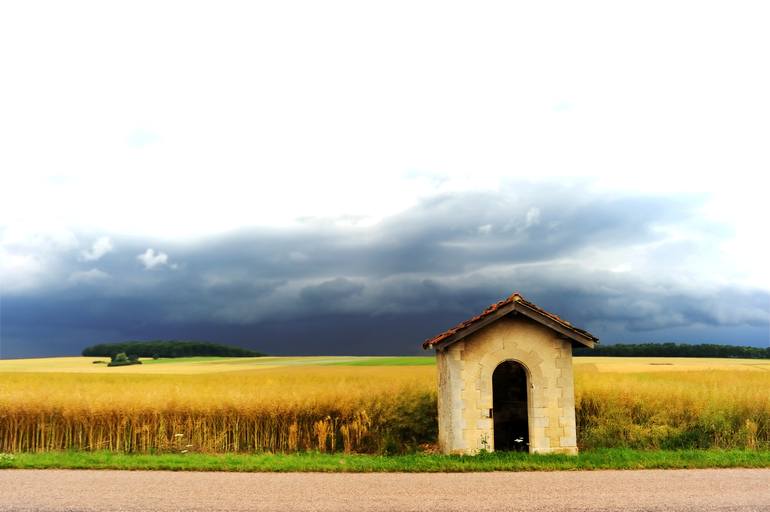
355 177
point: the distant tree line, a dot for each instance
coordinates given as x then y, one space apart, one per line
167 348
674 350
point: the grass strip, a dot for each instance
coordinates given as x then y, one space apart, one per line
319 462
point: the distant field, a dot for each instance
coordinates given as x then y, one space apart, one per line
356 404
667 364
210 364
197 365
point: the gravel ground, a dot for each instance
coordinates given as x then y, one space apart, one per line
85 490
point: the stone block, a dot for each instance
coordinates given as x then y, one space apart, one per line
484 424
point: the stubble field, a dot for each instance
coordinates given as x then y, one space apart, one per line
356 404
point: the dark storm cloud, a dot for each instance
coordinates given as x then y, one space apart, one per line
443 235
330 291
327 287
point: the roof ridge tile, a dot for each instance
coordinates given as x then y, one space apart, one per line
514 297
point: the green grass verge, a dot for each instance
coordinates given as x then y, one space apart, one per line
589 460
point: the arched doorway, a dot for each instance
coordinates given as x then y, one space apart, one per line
509 402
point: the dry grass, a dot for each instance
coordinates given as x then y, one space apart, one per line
297 404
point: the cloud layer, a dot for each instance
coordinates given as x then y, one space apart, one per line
626 267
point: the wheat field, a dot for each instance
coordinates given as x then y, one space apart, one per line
354 404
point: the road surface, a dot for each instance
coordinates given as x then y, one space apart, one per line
86 490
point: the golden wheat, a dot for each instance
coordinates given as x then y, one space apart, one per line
715 408
286 409
642 403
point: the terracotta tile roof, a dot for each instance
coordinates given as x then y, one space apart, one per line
517 298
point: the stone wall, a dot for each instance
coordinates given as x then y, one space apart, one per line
465 386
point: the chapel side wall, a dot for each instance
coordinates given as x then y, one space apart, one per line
450 381
465 387
444 416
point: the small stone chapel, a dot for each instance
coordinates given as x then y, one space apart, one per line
505 381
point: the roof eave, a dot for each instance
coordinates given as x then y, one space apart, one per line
505 310
516 307
588 341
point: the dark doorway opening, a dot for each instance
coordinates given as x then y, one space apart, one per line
509 402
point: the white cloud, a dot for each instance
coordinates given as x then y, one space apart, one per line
531 89
20 271
99 248
31 254
150 259
230 130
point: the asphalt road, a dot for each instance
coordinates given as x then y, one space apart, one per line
696 490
